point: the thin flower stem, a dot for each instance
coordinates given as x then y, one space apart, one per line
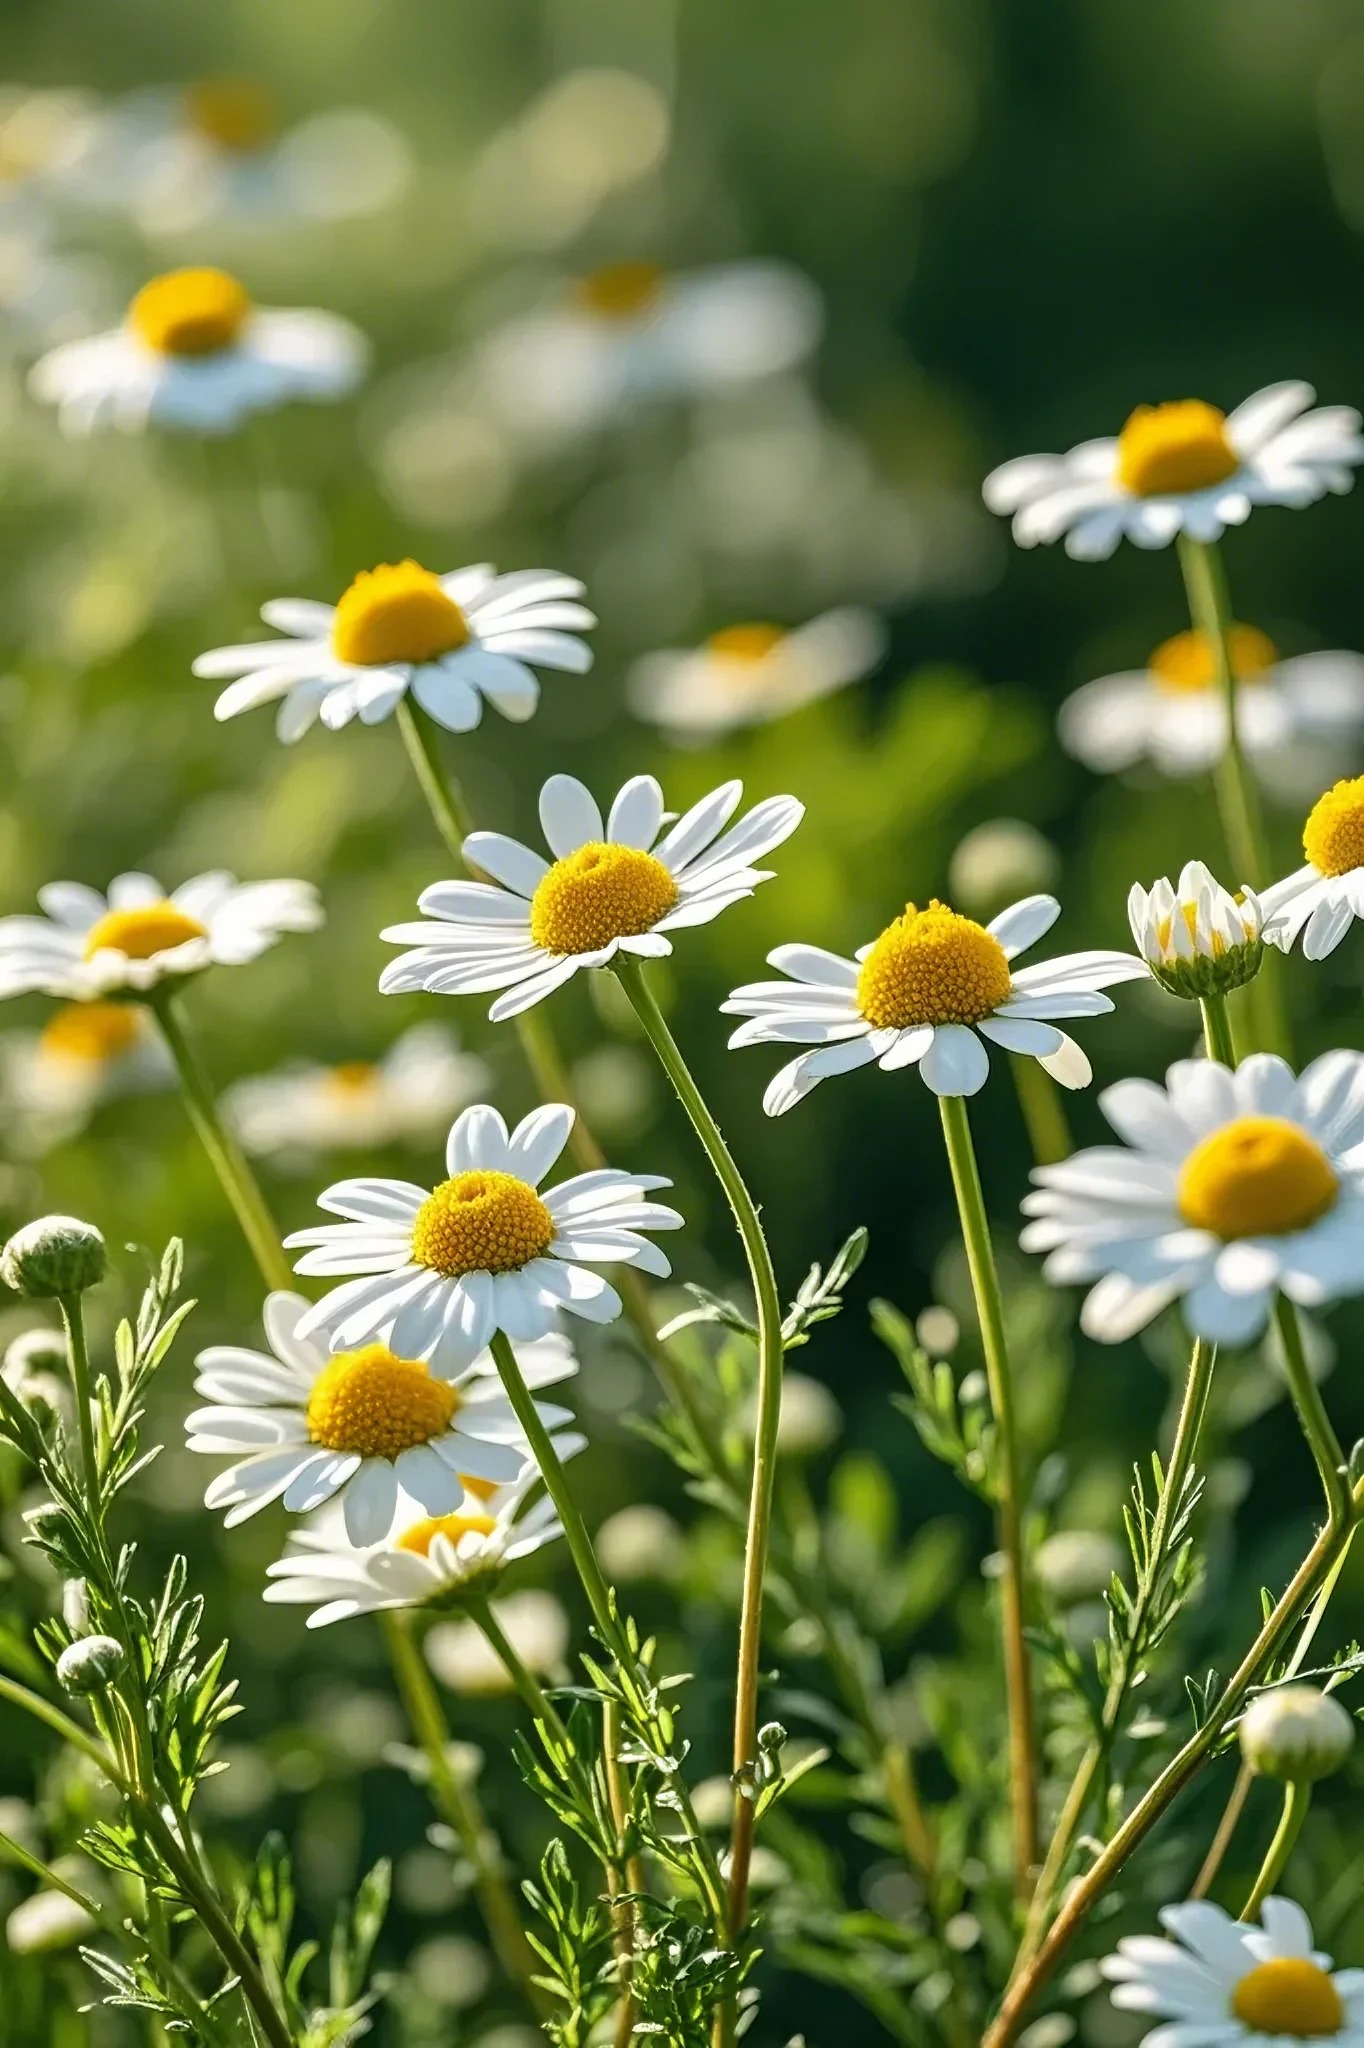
980 1258
630 1868
1296 1800
536 1700
239 1184
458 1805
771 1353
74 1319
1322 1440
1044 1115
61 1724
1217 1030
1205 585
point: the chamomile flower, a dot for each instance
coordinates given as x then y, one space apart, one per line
452 640
1218 1984
1184 467
1197 938
407 1097
1321 900
51 1081
1229 1186
425 1560
612 888
88 945
929 992
362 1426
1173 713
748 674
194 353
440 1271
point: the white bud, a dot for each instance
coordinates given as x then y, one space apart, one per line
1076 1564
1197 938
90 1664
811 1419
57 1255
46 1920
1297 1734
76 1606
641 1542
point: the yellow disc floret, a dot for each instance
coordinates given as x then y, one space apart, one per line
397 612
599 893
153 928
236 113
1333 837
195 312
373 1403
748 643
621 291
92 1032
1184 663
1259 1176
1165 450
481 1222
352 1078
423 1534
1289 1996
932 966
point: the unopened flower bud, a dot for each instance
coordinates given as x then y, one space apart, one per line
57 1255
76 1606
35 1351
998 862
1296 1734
90 1664
1074 1565
771 1737
1197 939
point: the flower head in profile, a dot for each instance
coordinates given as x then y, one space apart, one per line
441 1270
1219 1984
1228 1187
51 1081
454 641
195 353
408 1097
752 673
1321 900
1173 712
612 887
88 945
1197 938
360 1427
933 991
1183 467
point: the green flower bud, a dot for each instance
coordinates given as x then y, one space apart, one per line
57 1255
1296 1734
40 1350
90 1664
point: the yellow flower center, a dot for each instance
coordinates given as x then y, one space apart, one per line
932 966
423 1534
371 1402
397 612
154 928
352 1078
1333 837
1165 450
599 893
746 644
1259 1176
481 1222
92 1031
481 1489
236 113
194 312
621 291
1184 663
1291 1996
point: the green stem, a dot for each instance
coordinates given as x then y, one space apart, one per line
1217 1030
239 1184
1322 1440
1205 585
61 1724
538 1704
1044 1115
444 797
73 1317
990 1309
770 1359
1296 1800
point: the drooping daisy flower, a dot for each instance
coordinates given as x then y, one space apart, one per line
193 352
1221 1985
1232 1185
453 640
407 1097
1322 899
1173 713
425 1560
748 674
1197 938
928 993
90 945
361 1426
52 1080
442 1270
1178 468
613 887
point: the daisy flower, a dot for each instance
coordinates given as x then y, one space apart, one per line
1219 1984
1179 468
361 1427
1197 938
1321 900
51 1081
407 1097
1228 1186
1173 712
613 887
137 936
193 352
748 674
425 1560
452 640
929 992
442 1270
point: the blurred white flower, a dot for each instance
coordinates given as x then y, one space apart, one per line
997 859
748 674
194 353
534 1624
1074 1565
42 134
811 1419
641 1542
408 1097
46 1920
51 1081
46 294
543 176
